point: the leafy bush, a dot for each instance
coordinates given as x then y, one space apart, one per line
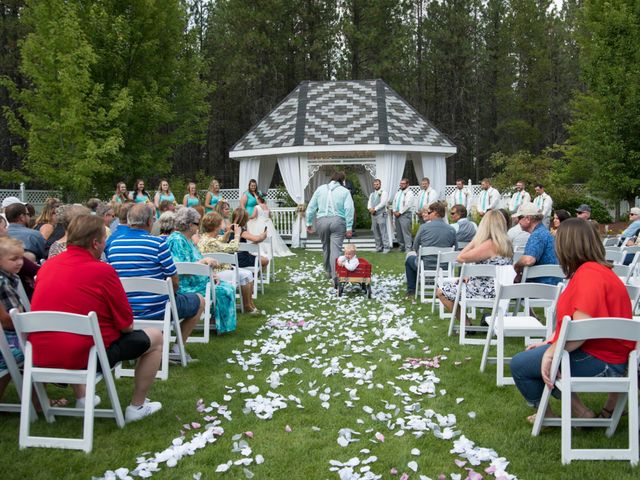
569 201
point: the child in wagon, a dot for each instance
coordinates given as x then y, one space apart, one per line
349 259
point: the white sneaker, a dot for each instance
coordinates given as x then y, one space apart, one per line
134 413
80 402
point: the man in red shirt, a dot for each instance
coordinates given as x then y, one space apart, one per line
76 281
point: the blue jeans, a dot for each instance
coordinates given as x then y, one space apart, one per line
525 369
411 270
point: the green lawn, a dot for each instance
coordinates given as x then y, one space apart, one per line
339 346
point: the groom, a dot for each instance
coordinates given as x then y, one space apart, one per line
332 206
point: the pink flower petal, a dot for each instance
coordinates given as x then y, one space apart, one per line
404 476
380 437
249 434
287 429
442 476
490 469
195 425
460 463
393 471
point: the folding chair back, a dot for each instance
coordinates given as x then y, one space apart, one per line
24 299
445 272
230 259
611 241
170 320
537 271
505 324
622 271
13 370
461 245
270 274
614 255
201 270
634 295
254 249
463 302
87 325
625 387
422 273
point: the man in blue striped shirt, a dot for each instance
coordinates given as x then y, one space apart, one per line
137 253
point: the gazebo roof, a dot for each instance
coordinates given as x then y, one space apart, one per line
342 116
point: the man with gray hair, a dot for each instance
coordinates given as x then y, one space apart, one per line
136 253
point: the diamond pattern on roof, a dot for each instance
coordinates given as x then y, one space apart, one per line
406 126
277 129
342 113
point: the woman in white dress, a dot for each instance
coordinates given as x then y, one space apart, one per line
256 226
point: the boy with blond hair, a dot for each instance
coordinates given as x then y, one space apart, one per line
349 259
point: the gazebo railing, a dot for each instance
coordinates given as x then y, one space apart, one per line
284 219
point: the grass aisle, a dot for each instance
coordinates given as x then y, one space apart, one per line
320 388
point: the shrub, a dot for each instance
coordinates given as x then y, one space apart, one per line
569 201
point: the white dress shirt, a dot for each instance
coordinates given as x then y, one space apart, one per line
426 198
403 201
488 200
383 198
460 196
517 199
544 203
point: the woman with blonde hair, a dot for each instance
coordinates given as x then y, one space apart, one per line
163 193
191 197
121 195
224 209
213 196
490 246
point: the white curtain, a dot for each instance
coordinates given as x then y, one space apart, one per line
389 169
434 167
295 176
321 177
366 183
249 169
417 166
265 173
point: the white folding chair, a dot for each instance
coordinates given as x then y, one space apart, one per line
230 259
461 245
199 269
611 241
13 370
625 387
254 249
504 325
533 272
634 296
422 274
24 299
464 302
614 255
270 274
87 325
445 273
170 320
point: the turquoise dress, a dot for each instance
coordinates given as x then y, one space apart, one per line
214 200
163 197
192 202
141 198
183 250
251 203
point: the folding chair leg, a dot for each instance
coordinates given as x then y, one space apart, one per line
542 408
487 347
500 357
565 423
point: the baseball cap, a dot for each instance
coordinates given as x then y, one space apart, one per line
10 201
583 208
635 211
527 209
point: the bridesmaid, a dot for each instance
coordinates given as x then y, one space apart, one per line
249 199
213 196
121 195
139 194
191 198
163 193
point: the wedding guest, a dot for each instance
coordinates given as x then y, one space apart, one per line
66 213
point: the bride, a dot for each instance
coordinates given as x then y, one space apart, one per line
257 225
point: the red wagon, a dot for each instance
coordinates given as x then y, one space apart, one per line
361 276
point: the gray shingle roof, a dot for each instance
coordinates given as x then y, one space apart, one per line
366 112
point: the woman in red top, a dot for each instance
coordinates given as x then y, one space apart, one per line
593 291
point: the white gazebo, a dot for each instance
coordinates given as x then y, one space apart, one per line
359 122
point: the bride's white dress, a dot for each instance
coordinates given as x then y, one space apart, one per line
256 226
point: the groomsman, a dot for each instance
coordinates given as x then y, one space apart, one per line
402 210
544 203
332 206
519 197
489 197
460 196
427 196
377 206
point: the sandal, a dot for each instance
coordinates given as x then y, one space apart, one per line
59 402
606 413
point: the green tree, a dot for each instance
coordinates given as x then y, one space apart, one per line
604 147
72 135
